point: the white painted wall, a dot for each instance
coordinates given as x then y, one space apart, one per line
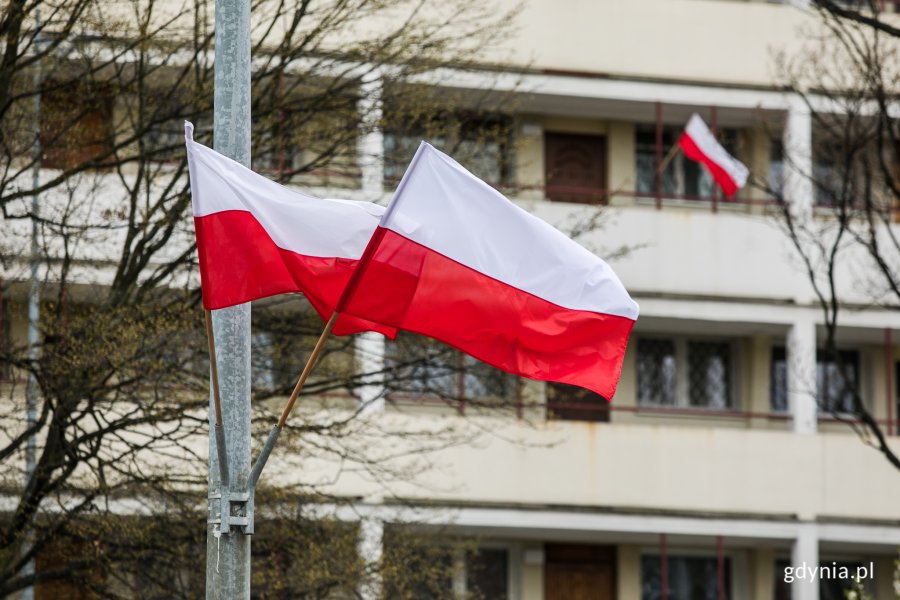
659 468
692 252
697 40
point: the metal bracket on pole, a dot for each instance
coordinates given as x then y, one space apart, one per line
236 508
232 511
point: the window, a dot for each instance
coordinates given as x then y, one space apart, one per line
778 382
709 374
164 141
334 544
575 167
75 124
833 393
839 167
827 178
262 362
690 577
418 567
275 150
480 143
422 366
681 372
656 371
161 123
487 574
835 587
782 589
309 128
776 167
280 343
573 403
682 178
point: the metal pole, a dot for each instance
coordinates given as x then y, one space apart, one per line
228 554
34 291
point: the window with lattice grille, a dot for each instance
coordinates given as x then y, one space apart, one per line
834 393
709 374
674 371
656 371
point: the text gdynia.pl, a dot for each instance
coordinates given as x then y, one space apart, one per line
805 572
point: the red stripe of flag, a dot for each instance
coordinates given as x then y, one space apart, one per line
496 323
240 262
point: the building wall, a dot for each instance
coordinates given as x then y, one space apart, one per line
718 41
730 273
644 467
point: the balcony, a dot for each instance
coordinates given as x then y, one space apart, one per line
648 467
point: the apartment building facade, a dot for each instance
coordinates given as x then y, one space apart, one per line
718 470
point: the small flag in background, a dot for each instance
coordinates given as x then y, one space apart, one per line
698 143
257 238
455 260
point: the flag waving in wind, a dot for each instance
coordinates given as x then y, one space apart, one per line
455 260
698 143
256 238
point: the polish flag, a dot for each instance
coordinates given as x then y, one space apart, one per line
257 238
698 143
466 266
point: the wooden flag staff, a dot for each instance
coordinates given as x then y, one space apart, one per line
348 292
310 363
276 431
244 500
217 401
669 156
214 369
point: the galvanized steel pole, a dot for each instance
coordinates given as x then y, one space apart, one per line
228 554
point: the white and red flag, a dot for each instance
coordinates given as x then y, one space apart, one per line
698 143
257 238
455 260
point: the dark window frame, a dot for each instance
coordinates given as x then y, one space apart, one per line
778 398
651 577
679 385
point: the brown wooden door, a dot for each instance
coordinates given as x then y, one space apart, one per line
579 572
575 167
